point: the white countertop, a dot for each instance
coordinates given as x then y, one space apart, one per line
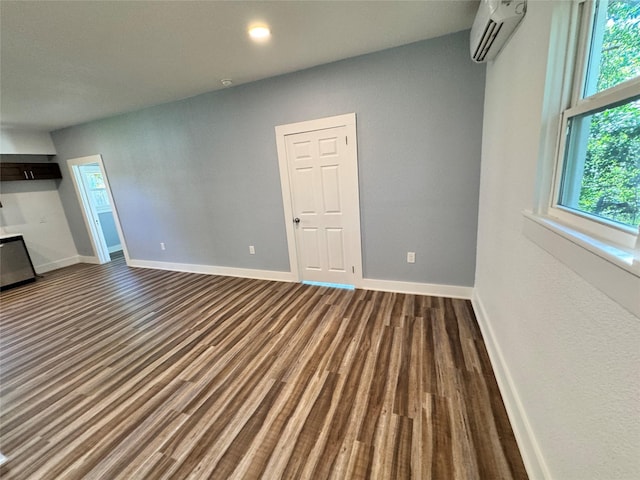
9 235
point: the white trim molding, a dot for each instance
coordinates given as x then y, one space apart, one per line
88 259
115 248
615 271
214 270
529 449
434 290
449 291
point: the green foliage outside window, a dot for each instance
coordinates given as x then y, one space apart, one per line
611 178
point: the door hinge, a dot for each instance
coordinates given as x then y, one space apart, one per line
346 140
353 269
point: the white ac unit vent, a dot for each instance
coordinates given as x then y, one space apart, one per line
495 22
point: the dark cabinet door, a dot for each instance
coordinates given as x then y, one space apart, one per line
29 171
44 171
13 171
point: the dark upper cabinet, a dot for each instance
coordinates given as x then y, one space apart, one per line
29 171
11 171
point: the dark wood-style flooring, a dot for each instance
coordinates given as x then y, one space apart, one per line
112 372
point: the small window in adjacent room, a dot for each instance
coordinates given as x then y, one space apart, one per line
598 171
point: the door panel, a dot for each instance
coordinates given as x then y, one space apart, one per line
331 189
305 191
311 253
302 150
328 146
335 250
321 170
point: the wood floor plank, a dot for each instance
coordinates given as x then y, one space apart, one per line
114 372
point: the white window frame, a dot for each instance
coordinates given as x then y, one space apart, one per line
578 59
605 254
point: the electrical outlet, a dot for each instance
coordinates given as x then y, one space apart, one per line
411 257
252 250
162 247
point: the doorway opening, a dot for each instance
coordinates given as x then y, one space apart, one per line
98 209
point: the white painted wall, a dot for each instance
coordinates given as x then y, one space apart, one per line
566 355
34 209
26 142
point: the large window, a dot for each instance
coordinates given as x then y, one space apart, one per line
598 176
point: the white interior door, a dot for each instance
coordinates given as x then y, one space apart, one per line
323 186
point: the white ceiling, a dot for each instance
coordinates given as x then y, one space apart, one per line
68 62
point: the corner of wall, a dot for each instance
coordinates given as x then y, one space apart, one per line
525 437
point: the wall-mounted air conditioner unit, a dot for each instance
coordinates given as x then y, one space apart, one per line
495 22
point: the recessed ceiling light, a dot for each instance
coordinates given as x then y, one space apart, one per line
259 33
226 82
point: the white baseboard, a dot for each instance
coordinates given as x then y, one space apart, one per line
450 291
88 259
214 270
367 283
56 264
531 455
115 248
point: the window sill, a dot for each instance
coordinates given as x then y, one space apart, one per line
613 269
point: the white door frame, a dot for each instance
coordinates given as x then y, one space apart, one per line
349 122
96 236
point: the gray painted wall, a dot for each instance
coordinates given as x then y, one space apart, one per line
201 174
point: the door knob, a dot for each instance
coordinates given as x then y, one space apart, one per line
296 220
